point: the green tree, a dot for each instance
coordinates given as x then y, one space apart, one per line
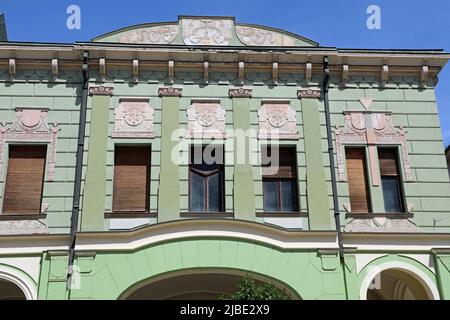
249 290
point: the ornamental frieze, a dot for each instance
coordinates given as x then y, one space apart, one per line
206 119
31 126
252 36
153 35
134 119
277 121
170 92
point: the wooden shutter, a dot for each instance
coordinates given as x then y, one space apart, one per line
388 161
131 179
357 180
24 180
287 162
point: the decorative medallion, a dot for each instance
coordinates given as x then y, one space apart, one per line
240 93
153 35
31 126
372 129
101 91
134 119
206 119
309 93
277 120
207 31
252 36
170 92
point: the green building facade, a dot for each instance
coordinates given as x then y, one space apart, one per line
242 88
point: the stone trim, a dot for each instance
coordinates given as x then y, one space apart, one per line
22 227
170 92
277 120
134 119
101 91
240 93
309 93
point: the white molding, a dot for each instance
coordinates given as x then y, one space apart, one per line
25 283
419 275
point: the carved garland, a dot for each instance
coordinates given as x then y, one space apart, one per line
31 126
372 129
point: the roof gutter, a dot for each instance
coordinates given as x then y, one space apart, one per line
325 87
78 169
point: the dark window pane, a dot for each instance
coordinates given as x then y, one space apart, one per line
197 193
214 197
289 196
271 202
391 194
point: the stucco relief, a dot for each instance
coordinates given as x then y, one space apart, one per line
206 119
381 224
31 126
134 119
22 227
207 31
153 35
372 129
252 36
277 121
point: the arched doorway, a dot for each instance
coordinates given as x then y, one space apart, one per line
193 285
10 291
398 281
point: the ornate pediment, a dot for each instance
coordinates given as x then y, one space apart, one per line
211 31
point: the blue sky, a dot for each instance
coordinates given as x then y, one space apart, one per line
406 24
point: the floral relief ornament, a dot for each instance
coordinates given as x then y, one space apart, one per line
134 119
206 120
278 121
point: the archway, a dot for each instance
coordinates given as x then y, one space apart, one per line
194 285
398 281
10 291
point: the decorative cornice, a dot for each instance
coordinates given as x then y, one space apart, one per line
101 91
240 93
308 93
170 92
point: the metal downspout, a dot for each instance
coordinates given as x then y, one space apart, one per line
325 86
78 169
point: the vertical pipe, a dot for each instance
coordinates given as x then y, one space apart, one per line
325 86
78 169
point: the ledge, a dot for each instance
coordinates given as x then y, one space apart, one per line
207 215
371 215
130 215
281 214
15 217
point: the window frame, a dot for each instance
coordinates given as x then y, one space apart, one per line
148 191
278 181
399 177
367 178
31 215
206 176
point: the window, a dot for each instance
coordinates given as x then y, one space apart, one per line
280 186
24 180
206 179
390 180
131 179
357 180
